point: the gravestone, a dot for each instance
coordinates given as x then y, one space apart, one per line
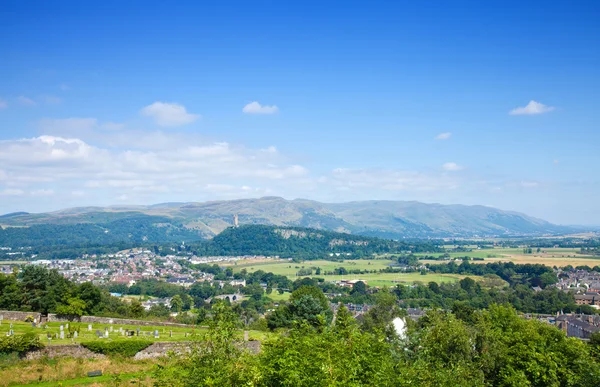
46 326
62 328
156 333
67 326
170 333
56 336
10 326
111 328
62 335
98 333
106 332
33 325
11 333
138 331
75 334
90 327
92 374
1 318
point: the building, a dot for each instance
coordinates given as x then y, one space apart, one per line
588 298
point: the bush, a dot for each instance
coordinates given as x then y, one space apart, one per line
20 343
125 348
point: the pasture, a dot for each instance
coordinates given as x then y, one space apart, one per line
289 269
547 256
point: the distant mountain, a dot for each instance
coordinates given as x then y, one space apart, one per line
380 218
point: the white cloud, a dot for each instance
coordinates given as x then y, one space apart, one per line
450 166
529 184
51 99
11 192
25 101
64 87
443 136
169 114
3 104
112 126
42 192
257 108
532 108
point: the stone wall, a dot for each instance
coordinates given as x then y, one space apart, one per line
155 350
161 349
68 350
18 316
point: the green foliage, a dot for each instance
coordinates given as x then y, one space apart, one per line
125 348
20 343
307 305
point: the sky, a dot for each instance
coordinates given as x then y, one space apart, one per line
493 103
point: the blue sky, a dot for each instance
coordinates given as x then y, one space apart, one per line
138 102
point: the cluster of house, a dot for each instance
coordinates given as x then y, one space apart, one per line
585 284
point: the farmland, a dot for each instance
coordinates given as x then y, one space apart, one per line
548 256
290 269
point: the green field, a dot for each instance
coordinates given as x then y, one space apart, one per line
290 269
546 256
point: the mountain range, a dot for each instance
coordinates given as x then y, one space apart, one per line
379 218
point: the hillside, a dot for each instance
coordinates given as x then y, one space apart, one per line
291 242
389 219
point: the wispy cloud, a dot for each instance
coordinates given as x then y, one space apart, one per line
169 114
257 108
443 136
51 99
532 108
25 101
450 166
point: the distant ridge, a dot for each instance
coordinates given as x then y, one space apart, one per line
378 218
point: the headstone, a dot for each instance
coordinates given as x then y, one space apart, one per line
75 334
56 336
49 335
62 335
10 325
46 326
156 333
111 328
170 333
67 326
98 333
11 333
94 373
35 320
33 325
138 331
90 327
106 332
246 335
1 318
62 328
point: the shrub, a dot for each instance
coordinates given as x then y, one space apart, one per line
125 348
20 343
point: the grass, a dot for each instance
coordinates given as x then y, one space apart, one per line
290 269
547 256
73 372
179 334
275 296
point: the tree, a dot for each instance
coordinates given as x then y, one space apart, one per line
359 288
176 303
73 309
136 309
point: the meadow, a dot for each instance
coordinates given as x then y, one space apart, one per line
548 256
289 269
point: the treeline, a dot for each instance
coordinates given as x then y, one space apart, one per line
529 274
493 347
38 289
